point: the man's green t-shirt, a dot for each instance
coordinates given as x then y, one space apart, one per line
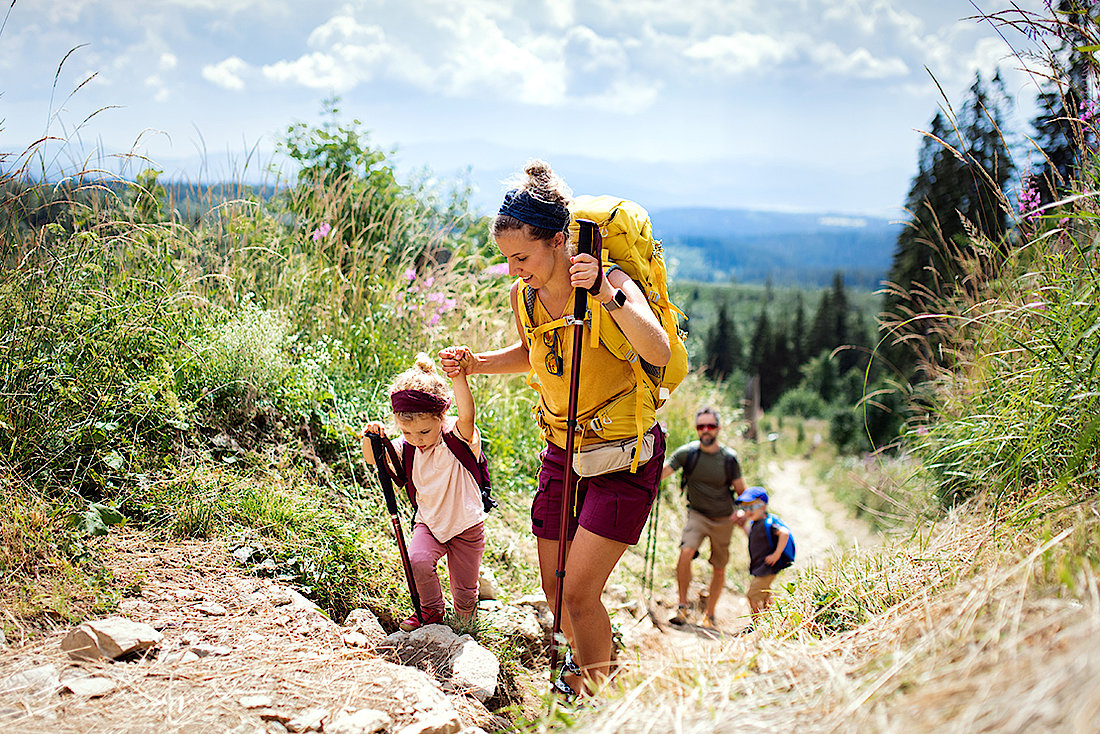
707 488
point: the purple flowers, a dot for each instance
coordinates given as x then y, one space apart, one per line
322 231
498 269
422 303
1028 204
1088 111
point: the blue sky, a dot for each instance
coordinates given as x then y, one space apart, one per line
803 105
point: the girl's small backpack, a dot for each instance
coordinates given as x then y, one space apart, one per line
465 455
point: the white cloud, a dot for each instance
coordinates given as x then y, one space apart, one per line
228 73
740 52
168 61
316 70
859 63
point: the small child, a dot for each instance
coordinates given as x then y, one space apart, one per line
450 518
766 557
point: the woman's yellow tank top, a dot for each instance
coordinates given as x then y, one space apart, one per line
606 394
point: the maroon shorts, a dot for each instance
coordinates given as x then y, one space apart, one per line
614 506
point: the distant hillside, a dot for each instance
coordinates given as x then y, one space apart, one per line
715 245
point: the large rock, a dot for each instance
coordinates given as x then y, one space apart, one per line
522 624
362 629
434 724
459 663
109 638
474 670
365 721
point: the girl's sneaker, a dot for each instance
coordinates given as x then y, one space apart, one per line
430 616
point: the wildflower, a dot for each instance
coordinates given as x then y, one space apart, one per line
498 269
410 274
1088 111
1029 200
322 231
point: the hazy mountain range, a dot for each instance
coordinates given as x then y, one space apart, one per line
748 246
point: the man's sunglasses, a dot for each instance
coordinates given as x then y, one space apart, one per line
706 426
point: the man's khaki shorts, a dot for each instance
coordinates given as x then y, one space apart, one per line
699 526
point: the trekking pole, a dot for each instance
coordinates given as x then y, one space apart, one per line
377 445
589 244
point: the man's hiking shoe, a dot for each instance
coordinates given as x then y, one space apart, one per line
747 631
570 666
681 617
710 622
431 616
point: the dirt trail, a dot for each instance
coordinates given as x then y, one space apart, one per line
820 526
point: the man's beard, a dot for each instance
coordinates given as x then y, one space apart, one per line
707 439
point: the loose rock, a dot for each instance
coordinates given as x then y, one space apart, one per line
365 721
109 638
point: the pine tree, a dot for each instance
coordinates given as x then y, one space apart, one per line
964 170
723 347
821 338
798 334
1061 102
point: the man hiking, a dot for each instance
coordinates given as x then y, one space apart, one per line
712 479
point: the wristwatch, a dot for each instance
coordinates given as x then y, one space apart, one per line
617 299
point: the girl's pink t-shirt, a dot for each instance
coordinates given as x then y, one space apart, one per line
447 496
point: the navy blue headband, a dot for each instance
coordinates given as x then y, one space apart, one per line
520 205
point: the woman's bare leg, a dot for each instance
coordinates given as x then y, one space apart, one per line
589 564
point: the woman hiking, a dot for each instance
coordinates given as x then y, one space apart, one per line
609 510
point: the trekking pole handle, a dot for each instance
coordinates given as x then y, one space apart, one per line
384 474
590 243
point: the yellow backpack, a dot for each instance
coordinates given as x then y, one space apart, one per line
627 243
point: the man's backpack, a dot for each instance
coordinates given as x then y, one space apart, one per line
628 243
692 459
479 469
770 523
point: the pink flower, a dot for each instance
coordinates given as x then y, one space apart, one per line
498 269
410 274
321 232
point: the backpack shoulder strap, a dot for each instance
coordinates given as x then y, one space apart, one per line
731 466
689 464
463 453
479 469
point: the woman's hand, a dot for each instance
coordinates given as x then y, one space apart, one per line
457 361
584 271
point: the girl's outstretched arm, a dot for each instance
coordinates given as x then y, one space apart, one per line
464 399
511 359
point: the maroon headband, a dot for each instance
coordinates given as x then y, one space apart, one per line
418 401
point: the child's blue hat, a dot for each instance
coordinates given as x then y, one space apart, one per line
754 493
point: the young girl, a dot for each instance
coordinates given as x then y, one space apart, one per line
449 518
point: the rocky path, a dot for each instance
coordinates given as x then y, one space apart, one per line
235 653
247 655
